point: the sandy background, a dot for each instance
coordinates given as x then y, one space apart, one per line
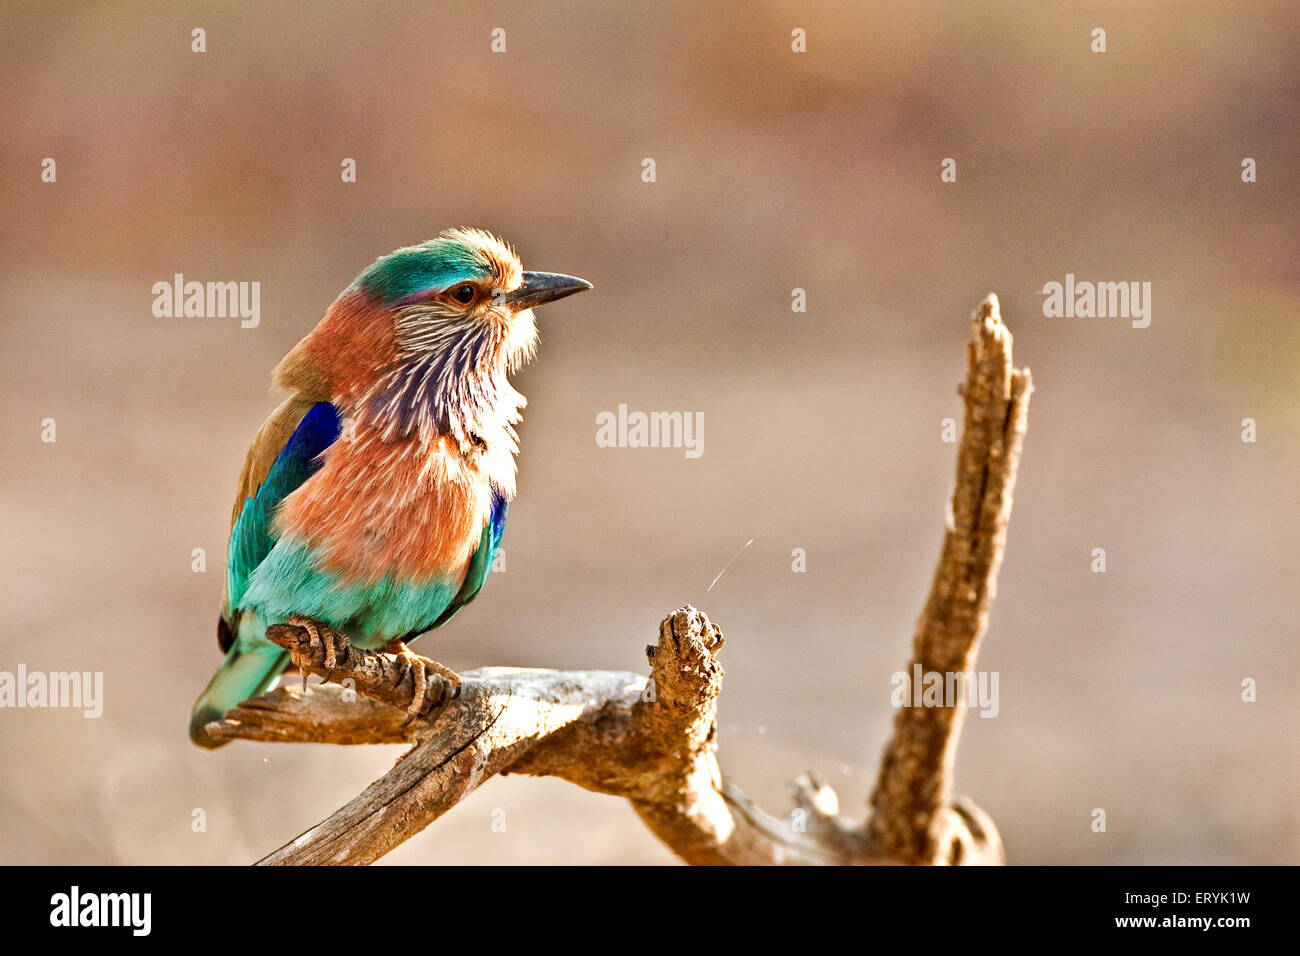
775 170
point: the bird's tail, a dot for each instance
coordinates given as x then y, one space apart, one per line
243 674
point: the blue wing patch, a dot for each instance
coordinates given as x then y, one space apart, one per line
250 538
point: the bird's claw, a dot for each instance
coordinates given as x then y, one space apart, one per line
420 667
318 634
418 674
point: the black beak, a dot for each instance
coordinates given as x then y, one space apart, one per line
542 287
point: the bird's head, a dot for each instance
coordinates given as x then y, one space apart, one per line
465 286
424 337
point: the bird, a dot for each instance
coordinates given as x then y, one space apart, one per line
374 499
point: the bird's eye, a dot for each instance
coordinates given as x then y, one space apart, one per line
463 293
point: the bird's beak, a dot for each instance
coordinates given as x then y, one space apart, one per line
542 287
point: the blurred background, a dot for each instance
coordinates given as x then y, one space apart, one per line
775 170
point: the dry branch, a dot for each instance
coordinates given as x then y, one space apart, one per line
910 819
654 741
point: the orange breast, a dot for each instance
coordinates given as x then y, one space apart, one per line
378 508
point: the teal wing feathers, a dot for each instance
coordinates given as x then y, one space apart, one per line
252 662
271 474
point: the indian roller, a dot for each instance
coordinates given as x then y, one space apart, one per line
374 498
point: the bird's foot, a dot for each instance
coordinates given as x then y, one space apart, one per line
420 667
318 634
